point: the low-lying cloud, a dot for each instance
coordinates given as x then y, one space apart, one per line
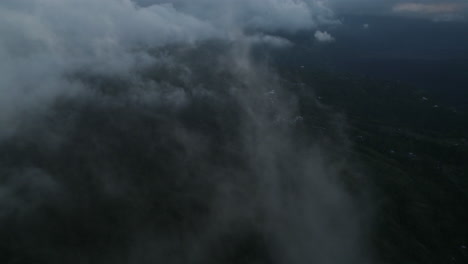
431 9
142 132
446 11
45 40
323 36
428 8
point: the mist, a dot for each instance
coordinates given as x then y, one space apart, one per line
152 131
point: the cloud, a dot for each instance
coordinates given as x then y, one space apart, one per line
148 132
323 36
431 9
273 41
438 12
435 8
45 41
448 18
269 15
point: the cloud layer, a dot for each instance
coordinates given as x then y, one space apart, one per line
147 132
323 36
427 8
43 41
446 11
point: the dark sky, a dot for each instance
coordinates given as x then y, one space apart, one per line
419 52
420 43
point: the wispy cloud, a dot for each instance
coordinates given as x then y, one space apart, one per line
438 12
433 8
323 36
154 133
43 41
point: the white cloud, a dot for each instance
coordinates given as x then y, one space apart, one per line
323 36
270 15
43 41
